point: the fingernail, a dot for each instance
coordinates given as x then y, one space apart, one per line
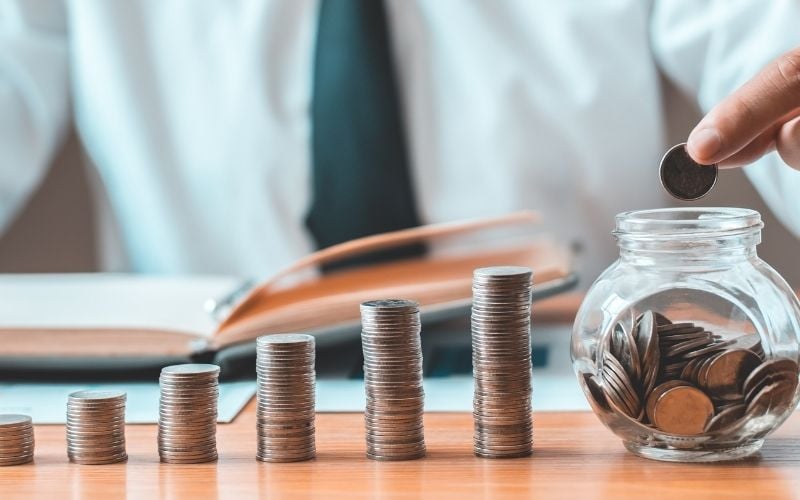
703 144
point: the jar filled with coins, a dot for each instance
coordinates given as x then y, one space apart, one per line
687 346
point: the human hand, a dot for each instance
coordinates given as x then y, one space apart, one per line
761 116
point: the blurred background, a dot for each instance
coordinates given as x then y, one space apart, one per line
56 233
229 146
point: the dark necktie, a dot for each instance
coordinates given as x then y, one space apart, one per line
361 178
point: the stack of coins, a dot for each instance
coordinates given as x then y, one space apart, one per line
96 427
16 439
390 339
682 379
187 419
501 362
285 411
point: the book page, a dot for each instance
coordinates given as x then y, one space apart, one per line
72 302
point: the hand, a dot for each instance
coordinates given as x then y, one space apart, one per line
761 116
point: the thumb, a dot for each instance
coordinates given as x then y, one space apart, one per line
749 111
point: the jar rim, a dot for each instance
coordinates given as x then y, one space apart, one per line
686 221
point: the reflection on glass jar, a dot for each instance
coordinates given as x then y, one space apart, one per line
687 346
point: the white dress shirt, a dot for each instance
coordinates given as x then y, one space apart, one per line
195 113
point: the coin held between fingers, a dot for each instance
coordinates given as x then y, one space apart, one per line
683 178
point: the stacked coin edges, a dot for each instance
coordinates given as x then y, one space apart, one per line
652 373
188 413
96 427
16 440
286 401
393 380
501 359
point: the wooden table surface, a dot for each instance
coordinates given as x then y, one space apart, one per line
575 456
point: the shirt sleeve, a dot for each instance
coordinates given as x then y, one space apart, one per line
709 48
33 96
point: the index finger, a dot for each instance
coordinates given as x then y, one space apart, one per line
742 116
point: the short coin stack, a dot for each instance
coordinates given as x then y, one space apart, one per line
390 339
187 419
96 427
285 411
684 380
501 361
16 439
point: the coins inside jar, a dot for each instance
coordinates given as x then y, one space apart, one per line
687 381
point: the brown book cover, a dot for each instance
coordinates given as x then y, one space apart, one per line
104 318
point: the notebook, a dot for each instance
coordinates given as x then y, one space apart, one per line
125 321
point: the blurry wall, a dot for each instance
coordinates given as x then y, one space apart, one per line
55 231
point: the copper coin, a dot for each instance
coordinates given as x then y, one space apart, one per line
726 417
769 366
656 393
683 410
727 372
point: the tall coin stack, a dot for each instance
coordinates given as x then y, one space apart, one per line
501 361
390 339
285 411
16 439
96 427
187 418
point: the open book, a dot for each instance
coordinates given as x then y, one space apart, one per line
104 318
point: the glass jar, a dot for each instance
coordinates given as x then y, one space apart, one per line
687 346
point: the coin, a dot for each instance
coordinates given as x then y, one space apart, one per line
187 414
101 397
390 339
649 350
727 372
726 417
501 361
684 178
731 374
594 393
616 378
683 410
626 351
286 400
769 368
95 427
774 397
16 439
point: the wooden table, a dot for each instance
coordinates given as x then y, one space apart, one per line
575 456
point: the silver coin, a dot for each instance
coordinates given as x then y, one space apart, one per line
190 370
98 459
284 459
202 460
285 409
16 461
684 178
392 458
14 420
96 395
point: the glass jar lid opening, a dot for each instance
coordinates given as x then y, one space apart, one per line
696 222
